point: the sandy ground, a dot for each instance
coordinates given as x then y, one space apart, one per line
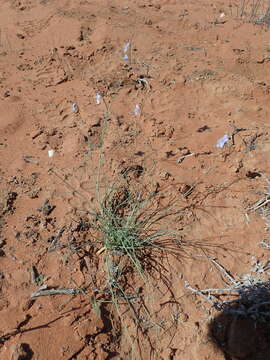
144 88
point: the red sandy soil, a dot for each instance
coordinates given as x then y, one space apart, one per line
204 75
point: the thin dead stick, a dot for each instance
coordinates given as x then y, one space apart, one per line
259 204
229 291
182 158
49 292
222 270
28 159
208 298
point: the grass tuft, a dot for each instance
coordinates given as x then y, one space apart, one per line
130 226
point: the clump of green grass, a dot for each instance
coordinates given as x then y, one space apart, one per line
130 226
136 230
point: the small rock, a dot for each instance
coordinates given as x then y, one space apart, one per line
2 242
203 128
50 153
20 36
46 208
137 110
253 174
74 108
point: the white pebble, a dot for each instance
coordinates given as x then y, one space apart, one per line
98 98
222 141
137 110
74 108
50 153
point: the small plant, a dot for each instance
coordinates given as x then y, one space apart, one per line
129 225
134 234
130 230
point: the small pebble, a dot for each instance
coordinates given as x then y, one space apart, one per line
50 153
98 98
222 141
137 110
74 108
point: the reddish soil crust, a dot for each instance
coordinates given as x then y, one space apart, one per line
196 76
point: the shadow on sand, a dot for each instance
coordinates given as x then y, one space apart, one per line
242 328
